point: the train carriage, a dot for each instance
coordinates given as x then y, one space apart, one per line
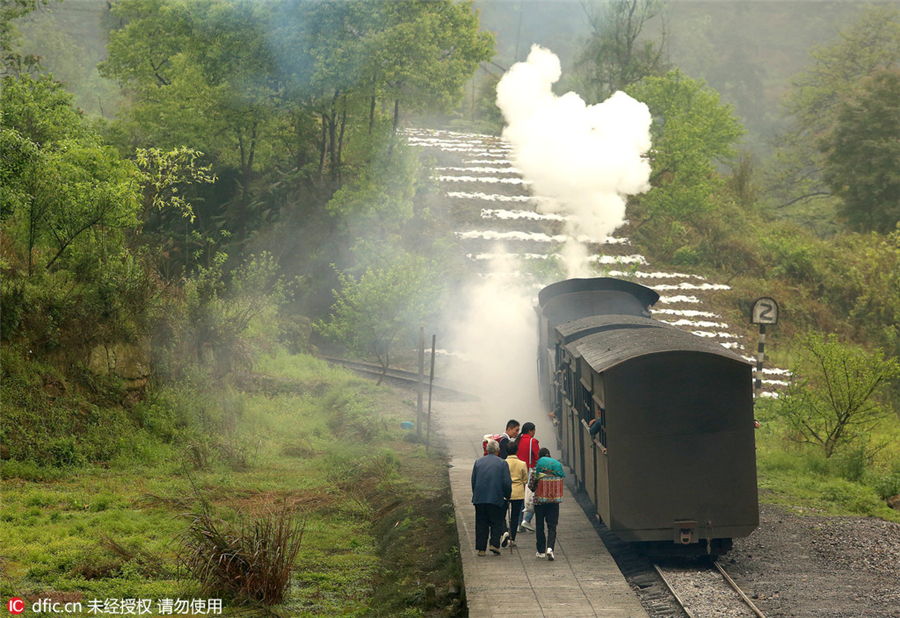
673 464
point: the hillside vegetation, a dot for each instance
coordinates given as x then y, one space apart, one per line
169 274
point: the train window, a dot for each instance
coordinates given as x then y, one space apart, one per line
600 414
585 407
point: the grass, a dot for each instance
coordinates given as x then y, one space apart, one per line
328 451
802 480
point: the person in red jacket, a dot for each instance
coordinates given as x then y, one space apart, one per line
528 446
528 452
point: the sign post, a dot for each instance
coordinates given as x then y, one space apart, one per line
764 312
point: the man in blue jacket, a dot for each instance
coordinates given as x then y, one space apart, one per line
491 488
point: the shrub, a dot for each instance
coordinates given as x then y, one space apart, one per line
252 564
887 486
833 398
856 498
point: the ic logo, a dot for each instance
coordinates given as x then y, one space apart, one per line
16 605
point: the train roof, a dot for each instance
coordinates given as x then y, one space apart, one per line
582 327
645 295
613 343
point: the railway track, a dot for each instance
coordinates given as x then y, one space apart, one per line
407 379
707 591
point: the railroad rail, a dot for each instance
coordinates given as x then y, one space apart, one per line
707 591
409 379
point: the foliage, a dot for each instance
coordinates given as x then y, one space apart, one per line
163 174
49 420
66 192
427 50
252 564
105 533
385 304
692 131
834 397
10 11
210 327
875 312
616 55
277 93
835 71
383 192
862 151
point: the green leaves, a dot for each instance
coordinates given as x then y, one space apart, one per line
384 304
692 131
63 190
862 154
813 104
834 396
616 55
162 173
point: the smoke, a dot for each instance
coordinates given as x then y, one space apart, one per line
497 334
588 158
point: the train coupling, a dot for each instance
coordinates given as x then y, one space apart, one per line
685 532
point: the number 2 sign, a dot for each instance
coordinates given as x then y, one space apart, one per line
765 311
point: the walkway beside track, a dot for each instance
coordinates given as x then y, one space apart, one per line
582 582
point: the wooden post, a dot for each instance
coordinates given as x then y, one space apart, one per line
421 380
430 389
764 311
760 358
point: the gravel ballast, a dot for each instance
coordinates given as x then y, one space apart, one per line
813 566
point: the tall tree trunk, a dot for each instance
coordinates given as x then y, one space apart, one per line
32 232
396 114
323 145
341 142
248 153
371 114
332 135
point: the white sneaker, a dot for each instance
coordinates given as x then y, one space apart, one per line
550 554
504 540
521 528
540 555
528 526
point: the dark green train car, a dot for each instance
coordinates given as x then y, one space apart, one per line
673 463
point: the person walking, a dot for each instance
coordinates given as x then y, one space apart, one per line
518 471
510 435
547 496
528 452
491 488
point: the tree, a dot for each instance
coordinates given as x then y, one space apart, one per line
201 73
427 51
61 184
835 72
834 396
10 11
616 55
370 314
862 154
692 132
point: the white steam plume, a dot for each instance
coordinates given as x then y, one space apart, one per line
587 157
496 332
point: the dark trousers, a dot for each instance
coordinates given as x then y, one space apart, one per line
488 520
515 511
546 513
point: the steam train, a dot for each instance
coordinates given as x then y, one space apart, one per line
672 465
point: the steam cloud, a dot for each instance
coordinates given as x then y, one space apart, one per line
587 157
497 332
586 160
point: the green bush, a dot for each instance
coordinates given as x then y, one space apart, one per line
886 486
852 496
